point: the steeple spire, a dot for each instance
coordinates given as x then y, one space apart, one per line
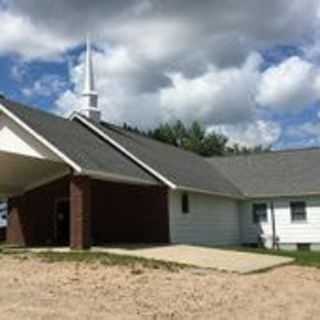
89 76
89 105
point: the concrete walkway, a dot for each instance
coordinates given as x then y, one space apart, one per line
196 256
203 257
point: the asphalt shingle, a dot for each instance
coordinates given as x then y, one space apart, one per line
184 169
77 143
279 173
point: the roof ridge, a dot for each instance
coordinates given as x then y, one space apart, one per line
290 150
152 139
271 152
33 108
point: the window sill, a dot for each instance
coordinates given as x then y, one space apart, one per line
299 222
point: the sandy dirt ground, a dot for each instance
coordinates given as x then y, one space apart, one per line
32 289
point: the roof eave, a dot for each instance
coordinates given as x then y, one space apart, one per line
99 175
283 195
41 139
212 193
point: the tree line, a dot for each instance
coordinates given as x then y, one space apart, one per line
196 139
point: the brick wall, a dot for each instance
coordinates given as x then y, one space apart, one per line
129 213
119 213
35 224
80 212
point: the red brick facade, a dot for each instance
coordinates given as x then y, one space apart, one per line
31 219
100 212
129 213
80 212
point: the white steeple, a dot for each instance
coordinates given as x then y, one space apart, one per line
89 97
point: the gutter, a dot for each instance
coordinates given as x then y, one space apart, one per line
273 196
213 193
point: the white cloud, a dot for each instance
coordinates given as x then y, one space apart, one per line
20 36
250 134
121 98
163 60
302 135
66 103
181 30
307 130
18 71
222 98
46 86
208 98
289 86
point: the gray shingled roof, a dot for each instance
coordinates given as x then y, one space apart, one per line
279 173
184 169
77 143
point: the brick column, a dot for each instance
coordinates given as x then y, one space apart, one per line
17 222
80 212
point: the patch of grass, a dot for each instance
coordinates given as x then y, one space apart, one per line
103 258
302 258
2 245
108 260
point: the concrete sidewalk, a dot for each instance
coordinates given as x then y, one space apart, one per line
203 257
196 256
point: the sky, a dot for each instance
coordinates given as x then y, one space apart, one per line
247 69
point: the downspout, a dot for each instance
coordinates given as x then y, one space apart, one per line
274 232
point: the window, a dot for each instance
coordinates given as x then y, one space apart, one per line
303 246
298 211
185 203
259 211
3 211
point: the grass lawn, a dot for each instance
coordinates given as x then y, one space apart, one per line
108 259
92 257
302 258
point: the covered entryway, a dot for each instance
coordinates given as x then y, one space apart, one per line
21 173
30 219
48 206
79 211
53 200
25 162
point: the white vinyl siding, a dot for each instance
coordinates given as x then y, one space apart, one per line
210 221
250 230
288 231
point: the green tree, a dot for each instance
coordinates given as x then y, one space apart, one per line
196 139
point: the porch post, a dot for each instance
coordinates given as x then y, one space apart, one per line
17 231
80 212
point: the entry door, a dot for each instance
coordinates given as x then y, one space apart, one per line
63 222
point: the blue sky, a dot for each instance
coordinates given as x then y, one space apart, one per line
253 77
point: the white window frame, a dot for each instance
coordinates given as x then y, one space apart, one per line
257 214
292 213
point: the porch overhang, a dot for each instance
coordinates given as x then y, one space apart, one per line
19 173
